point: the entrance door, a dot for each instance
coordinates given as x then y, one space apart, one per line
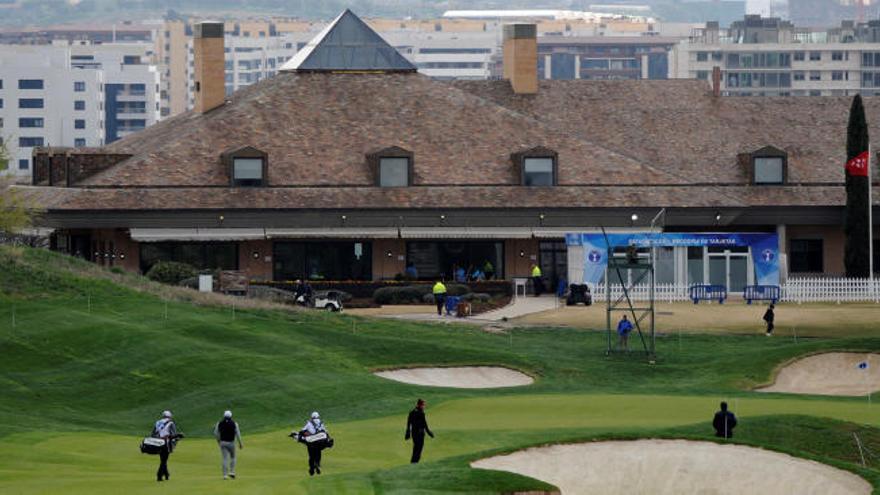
553 259
729 267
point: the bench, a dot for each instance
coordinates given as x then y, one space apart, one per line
761 293
707 292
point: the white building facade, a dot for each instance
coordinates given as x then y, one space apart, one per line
57 95
775 59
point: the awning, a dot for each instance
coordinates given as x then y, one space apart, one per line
36 231
159 235
335 232
466 232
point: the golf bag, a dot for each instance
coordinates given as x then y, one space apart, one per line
152 445
321 439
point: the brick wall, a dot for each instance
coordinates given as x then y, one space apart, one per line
255 258
832 245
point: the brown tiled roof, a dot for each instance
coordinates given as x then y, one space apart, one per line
317 129
620 144
440 197
677 125
433 197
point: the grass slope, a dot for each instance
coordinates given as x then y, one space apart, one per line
90 362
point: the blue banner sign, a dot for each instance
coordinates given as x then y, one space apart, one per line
764 248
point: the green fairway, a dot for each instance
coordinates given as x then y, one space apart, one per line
88 365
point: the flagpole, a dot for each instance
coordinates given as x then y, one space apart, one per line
870 226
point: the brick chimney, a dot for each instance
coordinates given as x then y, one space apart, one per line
521 57
209 66
716 81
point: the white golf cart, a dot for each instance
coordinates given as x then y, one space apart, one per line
329 300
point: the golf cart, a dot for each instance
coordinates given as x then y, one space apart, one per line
325 299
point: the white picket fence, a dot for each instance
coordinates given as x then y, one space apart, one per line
796 290
831 290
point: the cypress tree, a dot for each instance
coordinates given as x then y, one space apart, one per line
856 221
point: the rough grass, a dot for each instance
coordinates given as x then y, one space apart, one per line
93 356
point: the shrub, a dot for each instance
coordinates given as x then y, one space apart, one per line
171 272
415 294
409 294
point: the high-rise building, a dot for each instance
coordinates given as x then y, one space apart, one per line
79 95
761 56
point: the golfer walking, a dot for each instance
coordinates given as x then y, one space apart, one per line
166 429
312 427
416 427
769 316
227 433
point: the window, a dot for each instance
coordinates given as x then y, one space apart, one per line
815 56
79 86
433 259
702 56
79 142
322 260
837 75
815 75
247 172
201 255
23 164
79 105
79 124
836 55
769 170
30 103
1 102
799 56
30 84
131 60
394 171
29 142
30 122
538 171
1 83
703 75
806 256
799 75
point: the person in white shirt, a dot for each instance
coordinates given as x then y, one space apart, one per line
166 430
312 427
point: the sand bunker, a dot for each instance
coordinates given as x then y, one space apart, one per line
459 377
675 467
832 373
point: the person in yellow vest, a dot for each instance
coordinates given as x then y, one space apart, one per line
537 282
439 291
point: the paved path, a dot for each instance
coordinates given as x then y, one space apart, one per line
521 306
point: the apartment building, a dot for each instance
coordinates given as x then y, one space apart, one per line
448 54
79 95
761 56
132 85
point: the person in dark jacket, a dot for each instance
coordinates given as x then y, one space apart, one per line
227 433
416 427
769 316
724 422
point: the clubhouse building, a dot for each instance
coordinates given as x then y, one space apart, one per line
349 165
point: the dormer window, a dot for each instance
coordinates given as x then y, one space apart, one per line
538 171
392 167
247 171
769 166
537 166
247 167
393 171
